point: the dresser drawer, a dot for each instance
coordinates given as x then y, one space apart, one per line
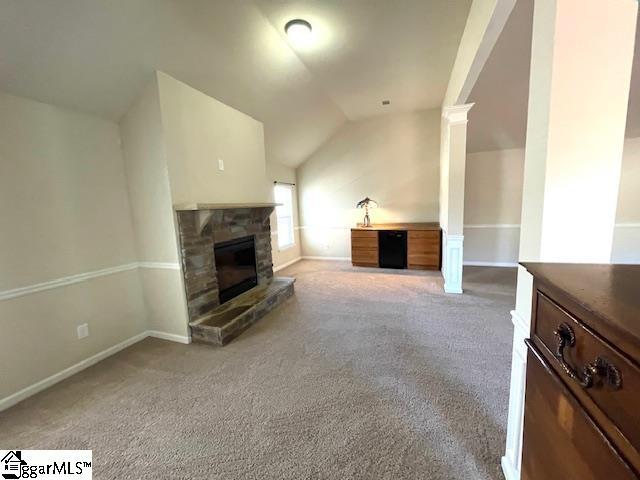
364 242
611 395
364 234
423 245
561 441
433 235
364 257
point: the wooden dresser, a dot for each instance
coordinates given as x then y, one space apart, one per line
582 400
423 245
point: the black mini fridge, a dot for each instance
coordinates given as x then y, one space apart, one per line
392 248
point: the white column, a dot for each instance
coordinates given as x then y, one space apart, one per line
453 158
582 52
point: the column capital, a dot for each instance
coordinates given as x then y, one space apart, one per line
456 114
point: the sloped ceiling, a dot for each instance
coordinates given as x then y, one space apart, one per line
633 113
498 119
96 56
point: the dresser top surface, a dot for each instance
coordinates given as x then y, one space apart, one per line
609 292
400 226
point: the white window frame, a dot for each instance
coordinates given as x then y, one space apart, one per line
284 214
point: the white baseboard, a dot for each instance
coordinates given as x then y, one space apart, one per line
285 265
471 263
508 470
336 259
37 387
67 372
172 337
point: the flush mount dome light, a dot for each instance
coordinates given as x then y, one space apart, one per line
298 30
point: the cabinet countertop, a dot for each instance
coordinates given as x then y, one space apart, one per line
428 226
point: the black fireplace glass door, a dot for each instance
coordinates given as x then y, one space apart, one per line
235 267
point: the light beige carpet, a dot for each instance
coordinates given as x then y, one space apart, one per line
365 373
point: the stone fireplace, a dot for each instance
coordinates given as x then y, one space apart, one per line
201 229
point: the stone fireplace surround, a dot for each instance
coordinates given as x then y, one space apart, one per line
199 228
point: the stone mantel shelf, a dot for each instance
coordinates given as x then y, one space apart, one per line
222 206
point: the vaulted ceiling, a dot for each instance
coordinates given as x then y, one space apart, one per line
96 56
498 119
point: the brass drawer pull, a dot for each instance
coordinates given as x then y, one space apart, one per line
599 368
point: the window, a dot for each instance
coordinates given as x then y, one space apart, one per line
284 194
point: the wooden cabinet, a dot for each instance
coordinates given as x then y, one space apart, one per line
583 373
423 249
562 441
423 245
364 248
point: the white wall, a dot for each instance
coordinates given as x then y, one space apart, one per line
281 173
493 198
393 159
153 216
199 130
65 212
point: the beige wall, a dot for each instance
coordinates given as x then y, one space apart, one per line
492 205
65 211
493 199
493 187
393 159
148 178
629 193
152 211
626 238
198 131
282 173
80 195
62 192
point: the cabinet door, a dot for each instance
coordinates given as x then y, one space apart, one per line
423 249
364 248
561 441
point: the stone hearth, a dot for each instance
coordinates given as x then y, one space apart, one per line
231 319
199 230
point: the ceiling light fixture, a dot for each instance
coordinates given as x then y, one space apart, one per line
298 30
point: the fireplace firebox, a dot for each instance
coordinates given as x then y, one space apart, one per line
235 267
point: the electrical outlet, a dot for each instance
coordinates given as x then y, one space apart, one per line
83 330
220 164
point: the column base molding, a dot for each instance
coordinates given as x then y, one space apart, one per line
512 459
452 262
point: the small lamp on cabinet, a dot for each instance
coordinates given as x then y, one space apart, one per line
367 203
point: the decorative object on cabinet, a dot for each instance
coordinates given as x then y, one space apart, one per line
367 203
